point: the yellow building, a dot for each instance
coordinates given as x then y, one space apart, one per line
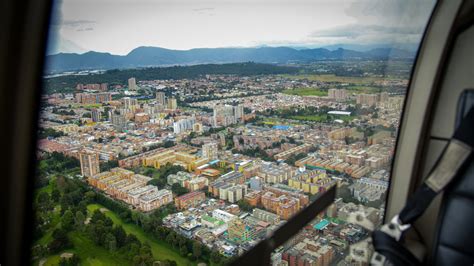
311 181
68 128
187 161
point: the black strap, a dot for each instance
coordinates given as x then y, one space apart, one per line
417 204
445 171
260 254
424 195
465 131
393 250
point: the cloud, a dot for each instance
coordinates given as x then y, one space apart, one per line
56 42
391 12
76 23
62 45
203 9
367 34
356 30
209 11
85 29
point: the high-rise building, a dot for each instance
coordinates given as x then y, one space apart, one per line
224 115
103 86
221 139
92 98
367 99
161 98
132 84
236 193
256 183
89 163
209 151
184 125
337 94
239 113
118 120
172 104
96 115
384 96
130 103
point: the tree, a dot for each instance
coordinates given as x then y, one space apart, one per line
293 158
120 236
60 241
133 250
39 251
67 220
106 166
215 257
197 249
44 201
55 195
80 219
49 133
244 205
170 239
111 242
72 261
178 189
135 217
156 182
169 263
183 250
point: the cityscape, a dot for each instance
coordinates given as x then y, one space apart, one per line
182 171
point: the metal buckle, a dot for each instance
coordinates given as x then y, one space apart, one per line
395 228
396 220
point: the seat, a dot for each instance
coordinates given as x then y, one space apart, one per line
455 231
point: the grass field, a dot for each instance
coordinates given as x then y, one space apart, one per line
160 249
315 118
334 78
321 118
89 252
277 121
363 89
55 219
88 106
306 92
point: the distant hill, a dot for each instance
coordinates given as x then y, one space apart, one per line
156 56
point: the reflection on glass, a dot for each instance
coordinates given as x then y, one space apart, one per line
142 161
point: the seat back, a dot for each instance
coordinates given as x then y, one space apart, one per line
455 228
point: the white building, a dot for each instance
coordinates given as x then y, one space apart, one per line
210 150
223 215
132 84
184 125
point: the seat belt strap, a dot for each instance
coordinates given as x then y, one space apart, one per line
387 240
454 156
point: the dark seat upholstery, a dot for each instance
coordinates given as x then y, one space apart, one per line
455 229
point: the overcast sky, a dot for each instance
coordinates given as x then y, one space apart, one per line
118 26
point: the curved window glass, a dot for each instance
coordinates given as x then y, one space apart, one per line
185 132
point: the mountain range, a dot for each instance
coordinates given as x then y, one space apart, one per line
156 56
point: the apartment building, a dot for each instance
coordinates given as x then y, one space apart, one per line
188 200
